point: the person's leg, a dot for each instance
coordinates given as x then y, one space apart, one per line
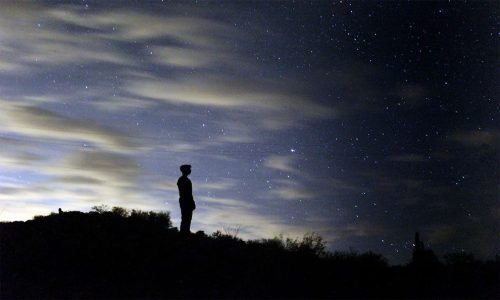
189 216
184 213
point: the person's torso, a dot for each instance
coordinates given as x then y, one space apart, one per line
185 188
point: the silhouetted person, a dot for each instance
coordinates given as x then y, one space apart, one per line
186 200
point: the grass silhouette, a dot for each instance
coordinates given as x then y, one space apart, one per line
119 253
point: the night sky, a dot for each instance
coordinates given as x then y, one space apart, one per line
361 121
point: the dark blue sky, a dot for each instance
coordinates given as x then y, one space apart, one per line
361 121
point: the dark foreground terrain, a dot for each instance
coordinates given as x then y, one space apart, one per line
138 255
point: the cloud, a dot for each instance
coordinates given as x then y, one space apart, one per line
24 201
339 235
411 183
290 188
475 234
235 127
39 123
11 160
410 157
43 42
363 229
41 177
274 106
20 200
111 104
412 95
293 190
299 183
173 65
78 180
40 39
6 66
441 233
54 173
302 188
126 25
225 184
488 138
252 224
282 163
362 88
185 57
342 185
225 202
18 154
180 146
410 191
201 187
222 91
113 169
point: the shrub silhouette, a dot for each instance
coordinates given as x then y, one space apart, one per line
120 211
219 235
100 209
157 218
120 253
310 244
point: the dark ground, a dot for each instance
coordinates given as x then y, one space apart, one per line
122 255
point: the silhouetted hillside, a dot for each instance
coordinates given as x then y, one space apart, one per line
120 254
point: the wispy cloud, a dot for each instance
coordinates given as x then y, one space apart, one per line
223 91
226 202
478 138
41 40
39 123
441 233
198 41
252 223
226 184
409 157
284 163
293 190
177 68
411 95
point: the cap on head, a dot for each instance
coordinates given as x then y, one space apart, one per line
185 169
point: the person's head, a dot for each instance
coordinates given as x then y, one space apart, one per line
185 169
